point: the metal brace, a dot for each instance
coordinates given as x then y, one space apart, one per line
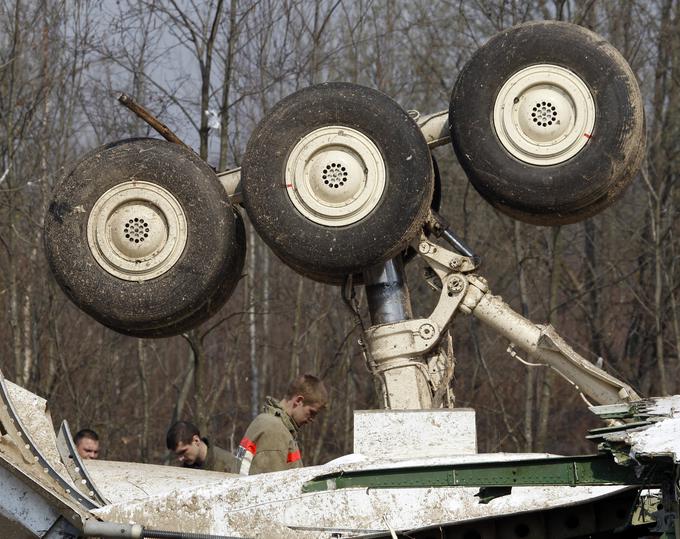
389 344
21 439
392 344
75 467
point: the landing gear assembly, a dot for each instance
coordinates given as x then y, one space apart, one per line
546 120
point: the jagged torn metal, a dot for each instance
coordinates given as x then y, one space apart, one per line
657 436
662 437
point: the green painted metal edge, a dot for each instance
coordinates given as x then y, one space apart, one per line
599 432
589 470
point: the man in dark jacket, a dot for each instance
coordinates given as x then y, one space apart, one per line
184 440
270 442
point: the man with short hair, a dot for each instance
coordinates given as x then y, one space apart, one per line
270 442
87 444
184 440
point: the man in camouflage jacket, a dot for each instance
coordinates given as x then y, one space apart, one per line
270 442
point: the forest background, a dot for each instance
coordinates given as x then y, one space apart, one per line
211 70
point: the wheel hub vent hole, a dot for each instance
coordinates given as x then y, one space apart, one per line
334 175
544 114
136 230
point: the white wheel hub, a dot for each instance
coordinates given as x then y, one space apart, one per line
335 176
137 231
544 114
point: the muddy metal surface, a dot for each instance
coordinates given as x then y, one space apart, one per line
273 505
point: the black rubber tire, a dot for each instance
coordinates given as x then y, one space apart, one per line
327 253
436 201
435 204
194 287
214 301
587 182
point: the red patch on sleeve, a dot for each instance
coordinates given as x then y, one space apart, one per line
294 457
248 445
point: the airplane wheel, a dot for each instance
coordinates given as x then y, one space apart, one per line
547 121
141 235
336 179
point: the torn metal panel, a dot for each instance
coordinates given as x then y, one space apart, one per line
659 439
29 443
402 494
655 431
275 505
23 512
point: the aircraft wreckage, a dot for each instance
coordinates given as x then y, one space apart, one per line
546 119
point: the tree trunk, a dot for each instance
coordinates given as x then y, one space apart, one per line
529 403
226 86
251 284
146 405
548 376
205 65
658 298
297 331
27 318
591 287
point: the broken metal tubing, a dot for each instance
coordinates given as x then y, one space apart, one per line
95 528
